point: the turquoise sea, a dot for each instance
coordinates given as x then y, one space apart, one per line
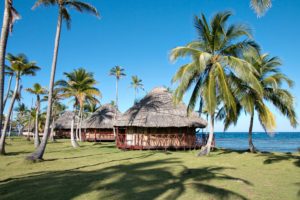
279 142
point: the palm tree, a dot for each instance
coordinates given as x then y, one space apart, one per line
260 6
21 67
118 72
136 84
22 111
9 17
63 14
80 86
213 55
57 108
90 107
37 90
271 79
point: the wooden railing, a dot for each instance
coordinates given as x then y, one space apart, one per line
158 141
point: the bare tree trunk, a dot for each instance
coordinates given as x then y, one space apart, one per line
38 154
11 106
8 89
73 141
36 131
3 43
205 150
251 145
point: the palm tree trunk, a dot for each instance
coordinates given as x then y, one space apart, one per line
3 43
251 145
7 92
134 96
80 124
10 123
36 131
205 150
38 154
77 127
52 139
11 106
73 141
117 93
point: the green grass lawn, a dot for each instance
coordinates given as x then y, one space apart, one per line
100 171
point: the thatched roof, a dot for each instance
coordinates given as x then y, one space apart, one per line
157 109
103 118
64 121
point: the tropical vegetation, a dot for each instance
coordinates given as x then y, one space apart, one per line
80 85
214 55
20 66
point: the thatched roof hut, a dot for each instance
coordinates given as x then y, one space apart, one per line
64 120
103 118
158 110
156 122
99 126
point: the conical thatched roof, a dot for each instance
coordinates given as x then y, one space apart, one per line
64 121
158 110
103 118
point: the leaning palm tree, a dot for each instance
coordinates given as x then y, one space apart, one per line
80 85
37 90
9 17
213 55
63 14
260 6
117 72
9 73
21 67
136 84
271 79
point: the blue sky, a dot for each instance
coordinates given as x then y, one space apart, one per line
139 34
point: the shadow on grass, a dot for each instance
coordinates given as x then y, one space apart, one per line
275 158
16 153
220 151
146 180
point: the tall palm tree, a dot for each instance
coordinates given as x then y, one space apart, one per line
213 55
117 72
79 85
21 67
63 14
271 79
260 6
9 17
136 84
37 90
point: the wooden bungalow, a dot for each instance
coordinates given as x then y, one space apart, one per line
100 125
156 123
62 125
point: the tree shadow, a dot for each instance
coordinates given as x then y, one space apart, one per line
220 151
146 180
275 158
15 153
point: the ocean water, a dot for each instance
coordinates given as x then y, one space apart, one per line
279 142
